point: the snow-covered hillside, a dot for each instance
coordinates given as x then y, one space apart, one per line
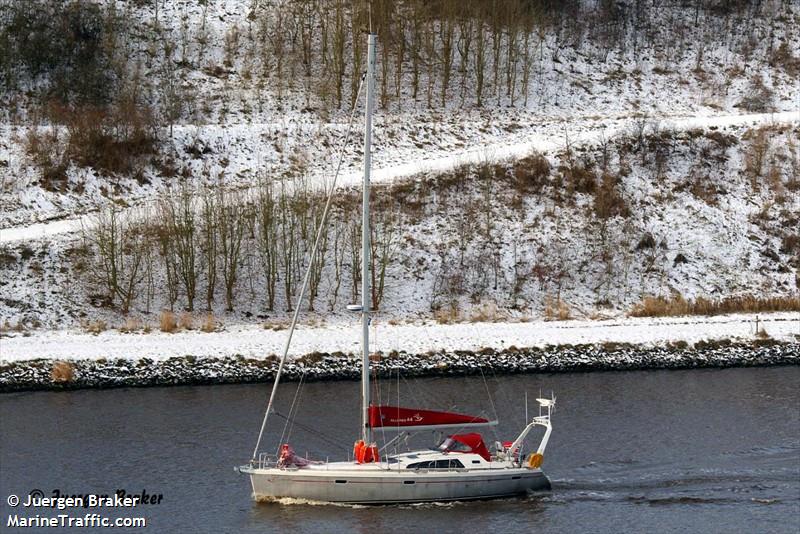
591 230
615 172
234 120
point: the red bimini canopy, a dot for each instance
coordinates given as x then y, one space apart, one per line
472 441
389 417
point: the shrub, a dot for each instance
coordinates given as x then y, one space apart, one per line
43 149
8 327
116 139
95 327
758 97
580 177
608 201
755 158
531 173
62 372
702 187
790 244
722 140
782 57
312 358
647 241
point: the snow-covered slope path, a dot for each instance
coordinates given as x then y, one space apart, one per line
252 341
540 137
579 132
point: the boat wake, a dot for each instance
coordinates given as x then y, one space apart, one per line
668 485
293 501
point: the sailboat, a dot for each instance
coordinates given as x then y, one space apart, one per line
460 467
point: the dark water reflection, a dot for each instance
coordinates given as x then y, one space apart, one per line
651 451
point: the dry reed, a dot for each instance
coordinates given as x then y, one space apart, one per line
186 321
132 324
447 314
556 310
167 321
209 324
94 327
677 305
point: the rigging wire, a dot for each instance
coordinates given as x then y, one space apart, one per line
491 400
376 382
293 410
301 295
311 430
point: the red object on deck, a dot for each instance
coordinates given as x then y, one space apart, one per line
389 416
365 454
371 453
475 443
358 451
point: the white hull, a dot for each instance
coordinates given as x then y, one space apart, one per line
385 486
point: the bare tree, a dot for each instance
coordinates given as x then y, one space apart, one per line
288 239
266 218
317 267
209 240
120 250
335 276
383 246
480 64
446 31
357 21
463 43
338 48
178 214
231 224
354 244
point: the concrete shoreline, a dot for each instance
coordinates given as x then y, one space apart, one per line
33 375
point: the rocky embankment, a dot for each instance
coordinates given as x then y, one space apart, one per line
188 370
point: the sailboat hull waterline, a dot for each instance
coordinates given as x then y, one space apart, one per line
460 468
384 486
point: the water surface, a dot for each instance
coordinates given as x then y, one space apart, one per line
649 451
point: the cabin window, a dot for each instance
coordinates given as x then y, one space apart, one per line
438 464
449 464
451 445
420 465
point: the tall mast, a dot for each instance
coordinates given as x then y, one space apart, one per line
366 294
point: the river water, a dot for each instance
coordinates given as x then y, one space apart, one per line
647 451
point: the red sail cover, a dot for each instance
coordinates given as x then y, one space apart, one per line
475 443
394 416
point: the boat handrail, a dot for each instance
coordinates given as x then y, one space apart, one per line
265 460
